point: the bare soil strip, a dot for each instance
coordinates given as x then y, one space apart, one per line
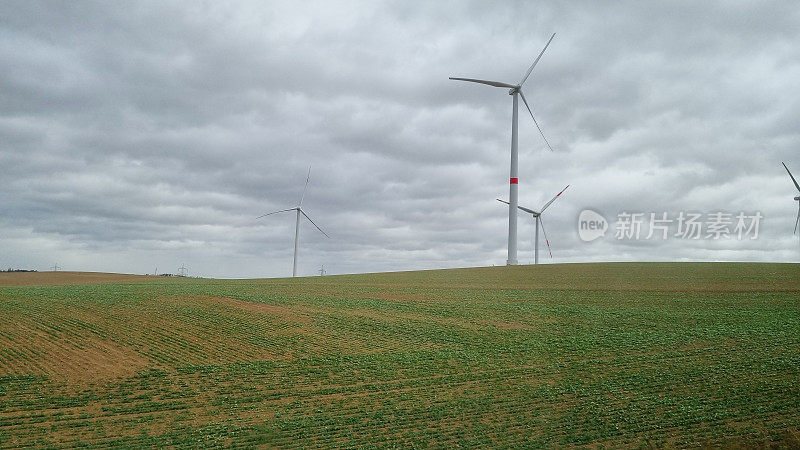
68 278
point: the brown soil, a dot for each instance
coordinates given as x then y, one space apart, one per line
67 278
262 308
85 358
511 325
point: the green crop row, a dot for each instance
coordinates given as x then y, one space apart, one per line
605 355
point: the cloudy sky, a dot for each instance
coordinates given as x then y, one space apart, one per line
144 135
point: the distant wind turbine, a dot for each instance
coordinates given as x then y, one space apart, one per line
796 222
514 89
537 217
299 210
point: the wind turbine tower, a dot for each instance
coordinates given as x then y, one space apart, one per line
298 210
537 217
515 90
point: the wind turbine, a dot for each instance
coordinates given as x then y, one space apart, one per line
514 90
537 217
299 210
796 222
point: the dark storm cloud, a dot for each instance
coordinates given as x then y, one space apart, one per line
136 135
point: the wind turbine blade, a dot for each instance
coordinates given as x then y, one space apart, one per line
541 222
790 174
530 211
490 83
536 61
553 199
312 223
798 219
306 186
534 119
275 212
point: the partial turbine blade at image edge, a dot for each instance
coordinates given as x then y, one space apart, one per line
554 199
275 212
490 83
524 100
790 174
528 73
796 222
312 223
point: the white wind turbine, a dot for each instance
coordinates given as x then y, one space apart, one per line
537 217
299 210
796 222
514 89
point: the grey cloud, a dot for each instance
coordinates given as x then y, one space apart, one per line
158 131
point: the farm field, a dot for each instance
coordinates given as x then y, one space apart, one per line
622 354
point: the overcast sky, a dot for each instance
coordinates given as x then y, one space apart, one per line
144 135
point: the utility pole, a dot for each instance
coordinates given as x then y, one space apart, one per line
183 271
322 271
56 267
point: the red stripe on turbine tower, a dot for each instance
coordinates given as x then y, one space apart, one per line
514 180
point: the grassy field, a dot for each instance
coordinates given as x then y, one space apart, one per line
599 354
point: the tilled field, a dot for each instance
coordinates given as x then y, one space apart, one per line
599 354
